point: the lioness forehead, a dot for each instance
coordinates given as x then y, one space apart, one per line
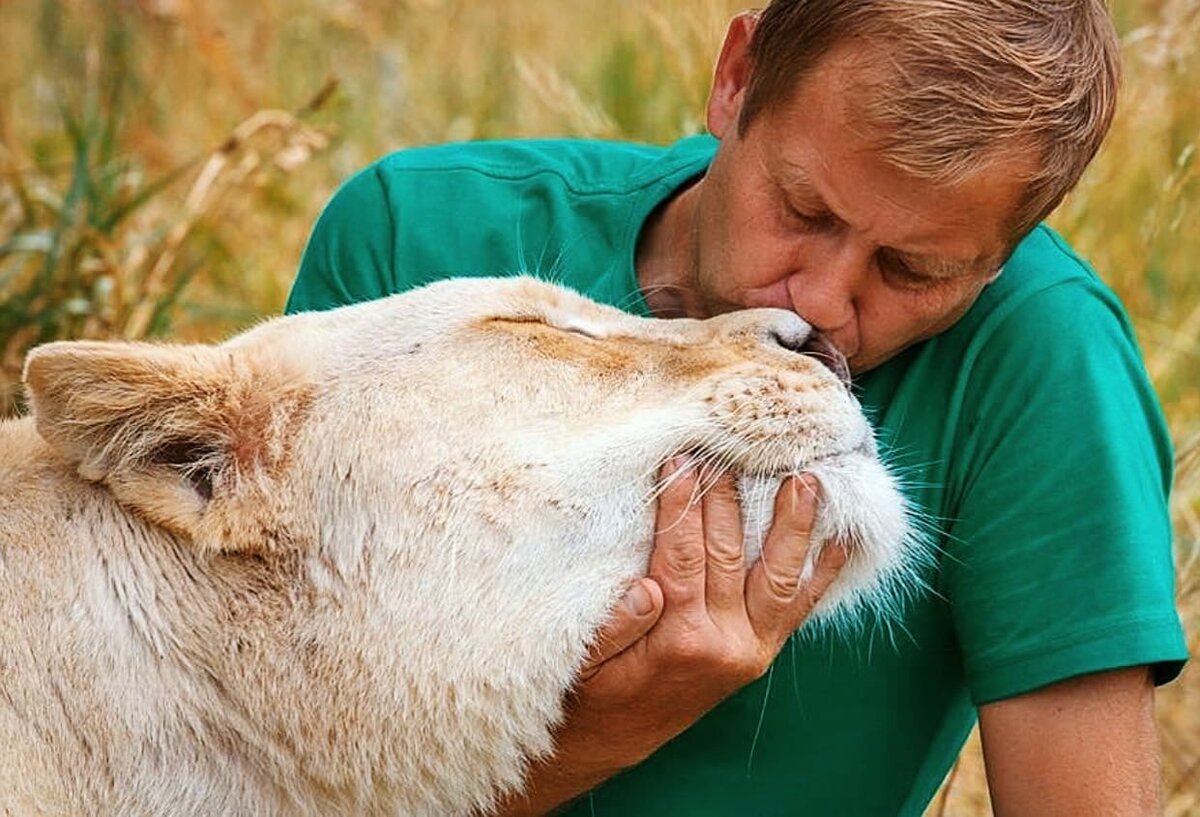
445 305
521 318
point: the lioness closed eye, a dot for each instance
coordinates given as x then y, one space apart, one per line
303 572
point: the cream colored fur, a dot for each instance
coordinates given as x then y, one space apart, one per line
349 562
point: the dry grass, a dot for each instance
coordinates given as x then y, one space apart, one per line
127 209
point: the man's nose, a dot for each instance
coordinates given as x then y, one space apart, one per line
826 290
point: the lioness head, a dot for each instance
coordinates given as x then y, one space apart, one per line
423 508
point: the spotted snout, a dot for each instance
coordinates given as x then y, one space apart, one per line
786 401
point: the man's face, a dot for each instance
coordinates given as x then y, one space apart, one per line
800 212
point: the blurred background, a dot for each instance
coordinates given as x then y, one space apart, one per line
162 161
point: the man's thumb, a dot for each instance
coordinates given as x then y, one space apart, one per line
631 620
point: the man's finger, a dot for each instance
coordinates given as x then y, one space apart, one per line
830 561
677 561
633 617
725 570
774 581
833 557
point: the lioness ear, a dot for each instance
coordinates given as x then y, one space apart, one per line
182 434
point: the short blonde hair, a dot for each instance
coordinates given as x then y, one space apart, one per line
966 80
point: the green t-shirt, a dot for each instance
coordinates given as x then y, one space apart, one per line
1027 432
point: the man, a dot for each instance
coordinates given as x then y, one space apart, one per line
881 169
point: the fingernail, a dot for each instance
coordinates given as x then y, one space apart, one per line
638 601
679 463
834 555
809 486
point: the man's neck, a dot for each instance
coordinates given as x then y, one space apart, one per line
665 261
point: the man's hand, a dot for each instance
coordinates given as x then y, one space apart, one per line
720 627
699 628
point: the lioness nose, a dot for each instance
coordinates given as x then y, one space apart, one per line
777 327
790 331
815 345
794 340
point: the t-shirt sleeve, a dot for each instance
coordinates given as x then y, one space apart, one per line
349 256
1059 558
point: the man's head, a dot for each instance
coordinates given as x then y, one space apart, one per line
951 82
880 159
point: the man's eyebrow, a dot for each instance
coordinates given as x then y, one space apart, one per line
793 182
933 266
792 178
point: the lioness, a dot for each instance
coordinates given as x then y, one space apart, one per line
295 573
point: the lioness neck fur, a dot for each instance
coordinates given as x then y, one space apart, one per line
350 562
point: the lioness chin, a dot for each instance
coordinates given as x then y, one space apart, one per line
350 562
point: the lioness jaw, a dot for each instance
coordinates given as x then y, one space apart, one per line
350 562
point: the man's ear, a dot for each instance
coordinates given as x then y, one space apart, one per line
731 76
184 435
